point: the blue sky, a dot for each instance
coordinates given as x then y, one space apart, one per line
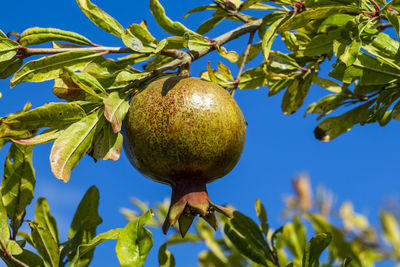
361 166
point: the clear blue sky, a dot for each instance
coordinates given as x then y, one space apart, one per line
362 165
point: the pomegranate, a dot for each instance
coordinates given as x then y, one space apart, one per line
185 132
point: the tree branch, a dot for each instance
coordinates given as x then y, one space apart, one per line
243 63
186 58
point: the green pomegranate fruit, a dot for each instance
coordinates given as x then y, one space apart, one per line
185 132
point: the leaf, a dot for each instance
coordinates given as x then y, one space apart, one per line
72 145
195 43
50 67
83 227
314 248
30 258
84 249
326 105
253 78
302 19
296 93
51 115
248 3
36 35
138 38
208 25
107 144
45 137
391 230
116 106
135 242
18 182
207 234
4 228
2 34
262 216
270 35
86 82
331 128
293 236
232 56
200 9
211 74
225 71
347 54
8 49
8 68
172 27
100 18
45 219
45 245
280 62
245 234
327 84
280 85
165 258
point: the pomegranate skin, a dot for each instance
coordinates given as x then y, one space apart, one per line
184 129
185 132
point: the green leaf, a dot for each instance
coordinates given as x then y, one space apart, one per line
45 244
253 78
314 248
9 67
4 228
2 34
262 216
116 105
195 43
30 258
249 3
331 128
327 84
347 54
107 144
8 49
391 230
208 25
135 242
86 82
296 93
83 228
326 105
245 234
172 27
369 71
84 249
294 237
200 9
270 35
338 247
18 182
320 44
45 219
36 35
302 19
138 38
50 67
72 145
207 234
225 71
51 115
165 258
101 18
280 85
280 62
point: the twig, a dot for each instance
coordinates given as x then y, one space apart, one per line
232 12
11 257
188 58
243 63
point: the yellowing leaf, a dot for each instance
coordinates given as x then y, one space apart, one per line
72 145
36 35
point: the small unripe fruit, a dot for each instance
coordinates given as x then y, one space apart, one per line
185 132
